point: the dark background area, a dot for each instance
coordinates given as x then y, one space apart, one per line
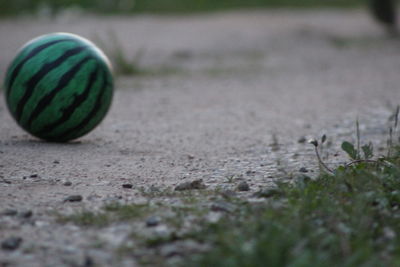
17 7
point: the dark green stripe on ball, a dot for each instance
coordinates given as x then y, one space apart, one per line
63 82
33 53
68 111
31 85
95 115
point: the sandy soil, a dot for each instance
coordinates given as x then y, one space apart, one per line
224 89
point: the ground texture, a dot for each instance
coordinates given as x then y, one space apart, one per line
227 98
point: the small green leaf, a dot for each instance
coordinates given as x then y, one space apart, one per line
349 149
368 151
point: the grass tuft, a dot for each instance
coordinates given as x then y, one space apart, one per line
109 214
348 216
123 65
350 219
86 219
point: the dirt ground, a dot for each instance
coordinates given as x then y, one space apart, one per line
224 95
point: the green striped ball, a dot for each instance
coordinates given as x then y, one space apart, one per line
59 87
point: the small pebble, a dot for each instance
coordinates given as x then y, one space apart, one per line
250 173
33 176
67 183
243 186
303 169
9 212
26 214
153 221
2 180
11 243
267 193
56 162
127 185
196 184
73 198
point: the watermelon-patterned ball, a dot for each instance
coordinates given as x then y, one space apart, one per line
59 87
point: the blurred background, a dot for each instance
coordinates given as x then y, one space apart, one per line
254 27
158 6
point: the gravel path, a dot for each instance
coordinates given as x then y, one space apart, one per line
226 95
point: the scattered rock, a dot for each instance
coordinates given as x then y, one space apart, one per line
11 243
267 193
162 233
113 199
181 248
56 162
67 183
243 186
303 170
26 214
127 186
9 212
41 224
2 180
251 173
93 197
153 221
33 176
73 198
196 184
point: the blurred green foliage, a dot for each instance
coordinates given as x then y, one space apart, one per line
159 6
